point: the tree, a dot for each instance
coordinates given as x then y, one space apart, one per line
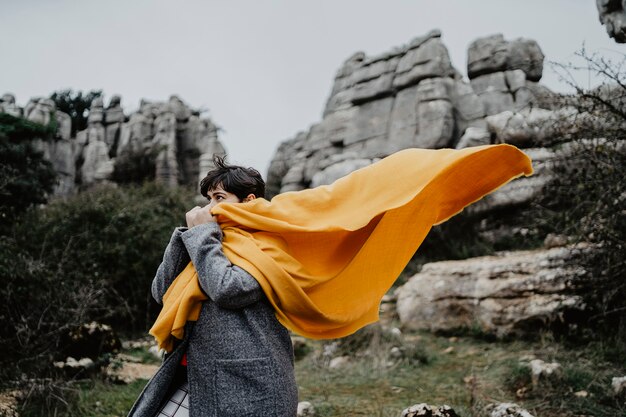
25 176
76 105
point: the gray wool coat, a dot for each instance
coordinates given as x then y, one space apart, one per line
240 358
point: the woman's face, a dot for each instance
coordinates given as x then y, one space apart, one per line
219 195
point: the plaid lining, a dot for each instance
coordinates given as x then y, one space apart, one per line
177 404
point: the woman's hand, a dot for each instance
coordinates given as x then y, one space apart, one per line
199 215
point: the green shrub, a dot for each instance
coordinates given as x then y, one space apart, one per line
91 257
25 176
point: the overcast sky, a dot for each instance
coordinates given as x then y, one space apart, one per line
263 69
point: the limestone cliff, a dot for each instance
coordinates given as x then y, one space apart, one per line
411 96
182 140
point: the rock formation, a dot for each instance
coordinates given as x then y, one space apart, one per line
504 294
183 142
613 16
411 96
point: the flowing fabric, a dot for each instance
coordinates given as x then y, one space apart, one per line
326 256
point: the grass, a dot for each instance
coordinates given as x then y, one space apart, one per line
464 372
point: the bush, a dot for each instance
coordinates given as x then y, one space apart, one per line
91 257
25 176
76 106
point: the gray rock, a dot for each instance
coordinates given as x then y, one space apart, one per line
425 410
96 111
613 17
507 410
165 139
305 409
543 371
114 112
338 170
499 293
8 105
40 111
619 385
427 105
429 59
494 54
436 124
474 136
64 125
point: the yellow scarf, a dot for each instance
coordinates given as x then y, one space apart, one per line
326 256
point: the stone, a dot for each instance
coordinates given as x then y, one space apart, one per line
10 400
436 124
425 410
493 54
486 55
64 125
506 293
97 166
8 105
525 55
506 410
40 111
96 111
515 79
493 82
165 139
474 136
496 102
338 170
123 370
618 384
305 409
427 105
114 112
553 240
542 371
613 17
339 362
429 59
179 109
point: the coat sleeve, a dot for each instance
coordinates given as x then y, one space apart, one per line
228 285
175 259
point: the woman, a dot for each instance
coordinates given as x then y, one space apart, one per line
236 359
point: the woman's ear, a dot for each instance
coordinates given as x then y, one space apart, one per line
249 197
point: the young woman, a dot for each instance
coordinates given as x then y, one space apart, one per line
236 359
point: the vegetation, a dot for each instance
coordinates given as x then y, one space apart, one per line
76 105
26 177
90 257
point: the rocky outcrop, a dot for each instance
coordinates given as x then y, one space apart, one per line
411 96
504 294
613 17
181 141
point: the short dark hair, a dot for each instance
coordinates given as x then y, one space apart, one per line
233 178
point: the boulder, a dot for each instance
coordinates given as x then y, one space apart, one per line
425 410
493 54
541 371
305 409
8 105
40 111
503 294
613 17
619 385
506 410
